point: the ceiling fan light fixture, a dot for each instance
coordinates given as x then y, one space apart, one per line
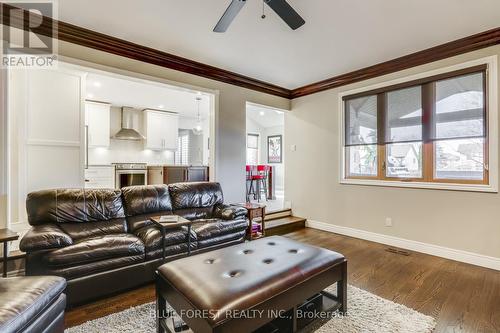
280 7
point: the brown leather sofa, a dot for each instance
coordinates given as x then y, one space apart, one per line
102 241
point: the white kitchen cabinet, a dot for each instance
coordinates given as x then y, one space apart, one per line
162 130
53 150
100 177
97 120
46 135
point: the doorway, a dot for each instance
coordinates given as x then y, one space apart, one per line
265 156
66 134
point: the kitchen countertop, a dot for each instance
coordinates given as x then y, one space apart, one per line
149 165
175 165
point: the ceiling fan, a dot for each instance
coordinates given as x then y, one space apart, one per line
281 7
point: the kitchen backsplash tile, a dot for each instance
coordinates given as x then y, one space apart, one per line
123 151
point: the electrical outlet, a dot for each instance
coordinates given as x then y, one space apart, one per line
388 222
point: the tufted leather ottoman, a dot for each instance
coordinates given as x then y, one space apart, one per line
243 287
32 304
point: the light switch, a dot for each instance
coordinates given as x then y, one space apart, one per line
293 147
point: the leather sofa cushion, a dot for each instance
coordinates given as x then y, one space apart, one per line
25 298
77 271
171 250
227 212
242 276
96 249
195 213
195 195
79 231
138 221
73 205
152 239
43 237
218 228
146 199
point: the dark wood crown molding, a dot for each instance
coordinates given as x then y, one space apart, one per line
443 51
85 37
102 42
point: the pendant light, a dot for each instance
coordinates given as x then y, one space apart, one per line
198 129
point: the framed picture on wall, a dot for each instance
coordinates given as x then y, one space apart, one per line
274 149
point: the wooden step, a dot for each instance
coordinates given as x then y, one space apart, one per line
284 225
278 214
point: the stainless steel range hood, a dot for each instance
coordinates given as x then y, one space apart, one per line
130 125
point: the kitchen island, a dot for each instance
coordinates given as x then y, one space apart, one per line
169 174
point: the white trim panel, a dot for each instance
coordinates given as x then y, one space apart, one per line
435 250
492 77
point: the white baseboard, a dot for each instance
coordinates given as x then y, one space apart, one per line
435 250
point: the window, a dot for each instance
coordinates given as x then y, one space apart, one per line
252 149
431 130
182 152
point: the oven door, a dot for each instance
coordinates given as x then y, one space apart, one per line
131 178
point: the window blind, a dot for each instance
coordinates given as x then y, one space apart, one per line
460 108
182 152
361 121
403 115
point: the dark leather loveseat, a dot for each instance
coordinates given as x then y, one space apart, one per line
102 241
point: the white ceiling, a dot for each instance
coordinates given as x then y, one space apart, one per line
120 91
339 35
265 116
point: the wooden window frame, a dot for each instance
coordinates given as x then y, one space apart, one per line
428 88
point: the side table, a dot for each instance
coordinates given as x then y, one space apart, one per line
255 210
180 221
6 236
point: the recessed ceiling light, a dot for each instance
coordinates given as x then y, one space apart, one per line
262 113
161 106
90 96
97 84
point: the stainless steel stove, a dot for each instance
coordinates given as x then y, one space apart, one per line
130 174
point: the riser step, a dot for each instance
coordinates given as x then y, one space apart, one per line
278 215
284 225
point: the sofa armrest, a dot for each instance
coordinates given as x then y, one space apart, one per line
43 237
227 212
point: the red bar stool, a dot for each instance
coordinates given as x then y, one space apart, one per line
261 181
248 182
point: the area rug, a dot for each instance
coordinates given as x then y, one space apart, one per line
366 313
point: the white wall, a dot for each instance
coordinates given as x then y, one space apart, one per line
278 167
458 220
198 144
125 151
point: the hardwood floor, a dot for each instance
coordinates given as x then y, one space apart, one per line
462 297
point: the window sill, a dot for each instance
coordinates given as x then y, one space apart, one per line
421 185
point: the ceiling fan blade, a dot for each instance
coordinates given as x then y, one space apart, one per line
286 12
229 15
